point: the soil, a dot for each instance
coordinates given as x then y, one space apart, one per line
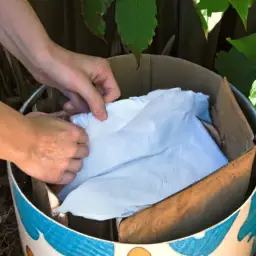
9 235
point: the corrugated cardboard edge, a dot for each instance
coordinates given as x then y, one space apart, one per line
169 219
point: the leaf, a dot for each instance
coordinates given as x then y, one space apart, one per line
246 45
213 6
93 12
239 70
242 7
136 22
210 13
252 96
204 20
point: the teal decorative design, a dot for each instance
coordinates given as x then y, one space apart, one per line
206 245
63 240
249 226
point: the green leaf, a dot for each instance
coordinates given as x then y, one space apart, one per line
93 12
238 69
204 20
252 96
136 22
242 7
213 6
246 45
210 13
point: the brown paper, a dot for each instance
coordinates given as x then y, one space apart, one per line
193 209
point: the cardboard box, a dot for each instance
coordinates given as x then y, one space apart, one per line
211 216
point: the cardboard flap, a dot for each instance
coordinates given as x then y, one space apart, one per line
192 209
235 132
132 81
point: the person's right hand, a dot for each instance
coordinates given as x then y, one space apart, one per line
56 149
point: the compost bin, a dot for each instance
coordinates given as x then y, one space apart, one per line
215 216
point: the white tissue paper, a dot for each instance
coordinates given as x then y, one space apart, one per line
149 148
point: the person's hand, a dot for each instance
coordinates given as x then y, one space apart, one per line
87 81
56 149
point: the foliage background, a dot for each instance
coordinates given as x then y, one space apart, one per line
64 22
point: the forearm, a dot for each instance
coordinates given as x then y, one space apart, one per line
22 33
15 134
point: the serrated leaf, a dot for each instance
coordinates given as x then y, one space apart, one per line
210 13
242 7
252 96
93 12
239 70
136 22
213 6
246 45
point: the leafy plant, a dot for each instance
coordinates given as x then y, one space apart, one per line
239 64
136 21
211 12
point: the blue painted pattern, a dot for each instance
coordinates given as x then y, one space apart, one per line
249 226
206 245
63 240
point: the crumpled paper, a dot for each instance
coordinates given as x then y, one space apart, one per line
149 148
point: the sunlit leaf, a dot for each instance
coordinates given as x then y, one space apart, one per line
252 96
213 6
210 13
242 7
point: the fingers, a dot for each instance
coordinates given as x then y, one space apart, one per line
75 165
76 104
83 139
70 108
67 178
61 114
106 83
81 152
94 99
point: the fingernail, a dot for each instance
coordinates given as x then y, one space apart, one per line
101 115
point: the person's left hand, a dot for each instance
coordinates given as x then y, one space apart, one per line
87 81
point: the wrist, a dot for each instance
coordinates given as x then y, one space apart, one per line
21 144
42 59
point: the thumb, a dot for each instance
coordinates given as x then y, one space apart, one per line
93 98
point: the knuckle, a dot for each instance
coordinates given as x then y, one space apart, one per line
75 132
72 149
105 63
63 166
102 61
